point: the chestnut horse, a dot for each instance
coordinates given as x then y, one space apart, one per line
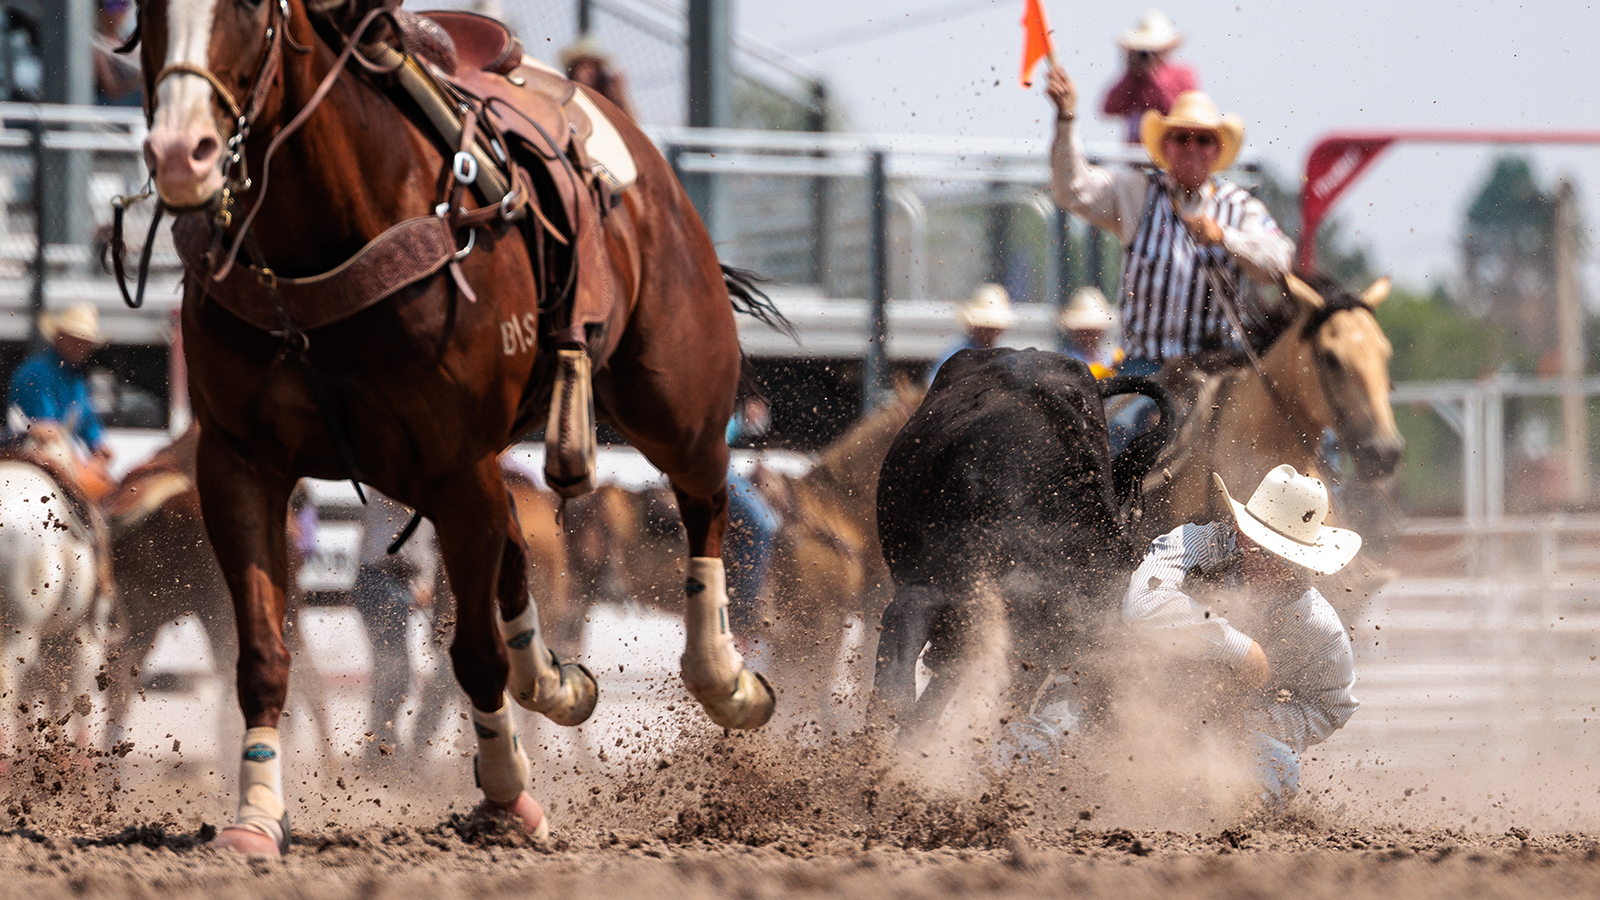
417 392
1328 369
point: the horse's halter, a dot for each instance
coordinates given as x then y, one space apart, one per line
242 115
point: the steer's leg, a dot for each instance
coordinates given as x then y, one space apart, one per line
487 564
245 509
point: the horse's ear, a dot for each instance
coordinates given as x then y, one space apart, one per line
1377 293
1302 292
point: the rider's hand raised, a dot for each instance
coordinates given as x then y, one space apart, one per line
1063 93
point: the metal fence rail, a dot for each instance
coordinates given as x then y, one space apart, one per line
805 209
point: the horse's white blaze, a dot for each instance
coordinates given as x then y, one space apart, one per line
184 101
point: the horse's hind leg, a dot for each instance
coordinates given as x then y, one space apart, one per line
734 695
486 561
245 511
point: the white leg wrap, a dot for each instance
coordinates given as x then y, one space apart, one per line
502 769
261 785
711 663
534 680
565 693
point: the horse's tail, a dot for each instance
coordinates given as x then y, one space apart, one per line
752 301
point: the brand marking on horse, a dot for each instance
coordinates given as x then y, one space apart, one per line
518 334
485 734
521 641
693 587
260 753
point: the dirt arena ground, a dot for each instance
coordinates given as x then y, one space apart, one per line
1468 772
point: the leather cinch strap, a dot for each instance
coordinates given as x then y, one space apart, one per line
406 253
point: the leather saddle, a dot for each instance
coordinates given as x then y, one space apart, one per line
481 56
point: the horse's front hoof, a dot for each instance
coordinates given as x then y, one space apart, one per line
247 840
749 706
576 700
524 810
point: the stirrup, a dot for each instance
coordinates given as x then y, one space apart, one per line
569 439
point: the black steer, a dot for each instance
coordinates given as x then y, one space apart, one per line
1001 486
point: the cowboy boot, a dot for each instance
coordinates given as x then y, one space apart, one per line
569 435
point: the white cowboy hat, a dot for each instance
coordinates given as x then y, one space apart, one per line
1154 34
1087 311
80 320
1285 516
1195 111
585 47
988 307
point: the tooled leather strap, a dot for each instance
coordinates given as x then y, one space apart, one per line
406 253
225 269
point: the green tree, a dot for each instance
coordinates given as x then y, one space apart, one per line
1434 339
1508 254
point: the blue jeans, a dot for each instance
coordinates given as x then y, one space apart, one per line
753 524
1139 415
1043 736
384 601
1277 770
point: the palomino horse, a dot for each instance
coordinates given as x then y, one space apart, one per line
415 386
53 598
1328 369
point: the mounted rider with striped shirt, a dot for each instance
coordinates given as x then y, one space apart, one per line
1192 241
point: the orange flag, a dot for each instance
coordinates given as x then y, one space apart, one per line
1036 43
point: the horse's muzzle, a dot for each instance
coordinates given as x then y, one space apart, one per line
1378 459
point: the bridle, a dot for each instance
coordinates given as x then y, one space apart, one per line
242 115
235 171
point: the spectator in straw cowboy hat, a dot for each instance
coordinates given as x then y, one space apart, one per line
1151 81
985 315
49 385
1085 324
1192 240
587 62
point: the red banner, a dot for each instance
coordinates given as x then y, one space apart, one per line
1334 164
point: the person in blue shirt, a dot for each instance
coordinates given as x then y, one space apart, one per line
49 385
753 524
986 315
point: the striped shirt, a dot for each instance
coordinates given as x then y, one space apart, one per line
1310 691
1168 300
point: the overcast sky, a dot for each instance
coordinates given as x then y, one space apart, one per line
1293 71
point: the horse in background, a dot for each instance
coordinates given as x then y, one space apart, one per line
54 595
827 565
825 568
1327 369
165 570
